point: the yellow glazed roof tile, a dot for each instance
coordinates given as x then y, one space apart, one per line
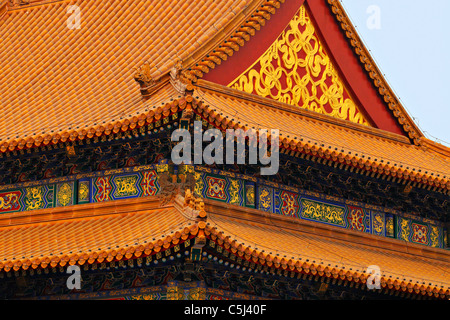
296 247
90 233
325 137
69 78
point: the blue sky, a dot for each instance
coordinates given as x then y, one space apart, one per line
412 49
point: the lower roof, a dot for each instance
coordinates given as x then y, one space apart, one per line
327 250
90 233
127 229
54 77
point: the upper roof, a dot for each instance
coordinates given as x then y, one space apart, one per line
54 78
77 78
79 82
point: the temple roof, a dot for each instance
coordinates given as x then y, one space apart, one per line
53 237
91 233
308 132
287 243
79 83
73 78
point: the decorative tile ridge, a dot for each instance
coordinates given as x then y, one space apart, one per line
377 165
23 4
212 55
374 73
192 207
281 261
435 147
150 85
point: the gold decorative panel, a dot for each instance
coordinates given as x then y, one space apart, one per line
297 70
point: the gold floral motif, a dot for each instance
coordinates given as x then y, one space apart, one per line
297 70
64 194
173 293
144 297
390 227
323 212
83 191
197 294
250 195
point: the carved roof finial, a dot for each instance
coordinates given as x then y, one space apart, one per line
143 76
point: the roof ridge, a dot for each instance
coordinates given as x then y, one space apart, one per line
235 36
14 5
372 70
436 147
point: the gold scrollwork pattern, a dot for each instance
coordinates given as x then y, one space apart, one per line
7 201
199 185
378 224
83 191
265 199
323 212
390 226
126 186
297 70
234 191
404 229
434 236
34 198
